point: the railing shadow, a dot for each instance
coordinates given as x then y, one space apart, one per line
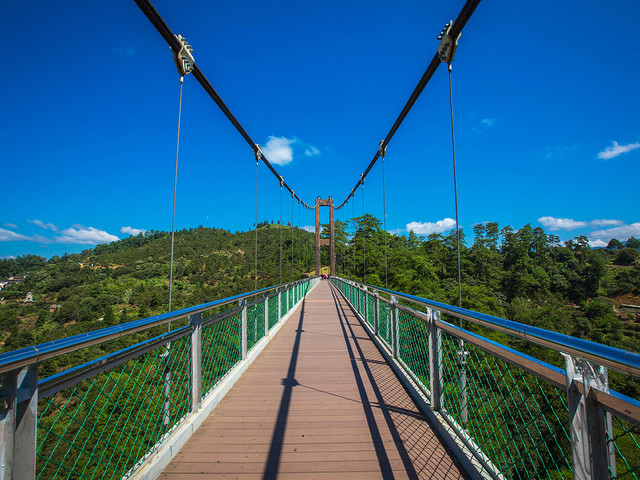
275 450
417 444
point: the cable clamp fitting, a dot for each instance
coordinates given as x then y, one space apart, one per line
258 153
448 45
382 150
281 182
184 58
362 179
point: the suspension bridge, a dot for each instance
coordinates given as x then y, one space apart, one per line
319 379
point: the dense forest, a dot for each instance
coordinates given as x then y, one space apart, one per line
525 275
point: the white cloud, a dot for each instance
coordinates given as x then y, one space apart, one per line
8 257
622 233
278 150
397 231
79 234
46 226
9 236
427 228
487 122
603 222
616 149
597 243
11 225
311 151
132 231
309 228
553 223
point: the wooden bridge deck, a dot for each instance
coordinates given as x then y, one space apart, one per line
319 402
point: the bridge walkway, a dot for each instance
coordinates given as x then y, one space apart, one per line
319 402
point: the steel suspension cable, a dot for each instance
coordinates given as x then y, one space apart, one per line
163 29
292 238
459 23
280 222
384 220
455 190
364 240
256 227
175 188
299 256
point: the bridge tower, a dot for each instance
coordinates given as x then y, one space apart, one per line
325 202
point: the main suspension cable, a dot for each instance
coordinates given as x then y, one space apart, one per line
175 188
292 222
176 45
461 20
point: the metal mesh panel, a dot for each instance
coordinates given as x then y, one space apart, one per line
625 442
283 304
273 311
221 350
105 425
413 346
255 324
384 323
370 309
519 422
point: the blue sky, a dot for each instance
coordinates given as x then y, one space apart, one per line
545 95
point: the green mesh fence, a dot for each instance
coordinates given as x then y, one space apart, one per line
370 309
255 324
283 304
221 350
273 311
625 443
519 422
384 323
103 426
413 346
106 425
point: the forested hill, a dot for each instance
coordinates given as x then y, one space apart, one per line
524 275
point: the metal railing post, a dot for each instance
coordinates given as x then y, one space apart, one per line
279 304
243 328
376 312
593 457
394 325
266 313
196 361
18 419
287 298
435 360
359 302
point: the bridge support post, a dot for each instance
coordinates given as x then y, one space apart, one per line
376 311
18 418
328 202
593 456
266 314
195 321
243 328
394 327
435 359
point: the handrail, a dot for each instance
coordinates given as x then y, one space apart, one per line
24 357
615 358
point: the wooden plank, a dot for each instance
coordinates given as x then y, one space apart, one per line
319 402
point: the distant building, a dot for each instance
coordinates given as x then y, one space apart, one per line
54 307
28 298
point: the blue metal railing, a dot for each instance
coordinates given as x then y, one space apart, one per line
521 417
106 418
